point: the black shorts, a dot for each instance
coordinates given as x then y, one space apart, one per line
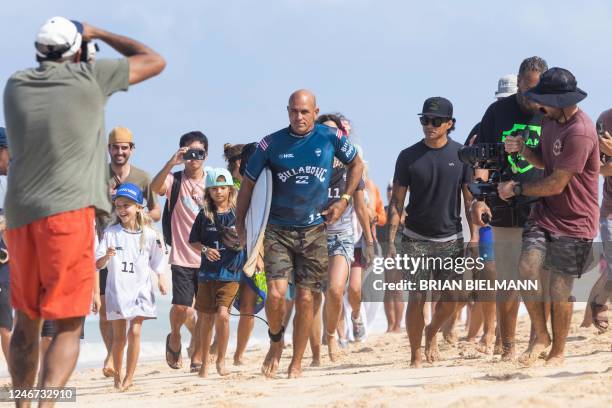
6 311
568 255
184 285
103 275
49 329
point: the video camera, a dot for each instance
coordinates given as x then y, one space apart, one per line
492 157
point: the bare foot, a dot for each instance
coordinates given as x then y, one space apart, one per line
272 360
238 360
316 362
534 350
431 346
109 369
295 371
486 345
332 348
415 359
499 348
451 337
221 370
127 384
508 352
555 360
471 340
203 373
118 382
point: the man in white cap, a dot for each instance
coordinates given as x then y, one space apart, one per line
54 120
506 86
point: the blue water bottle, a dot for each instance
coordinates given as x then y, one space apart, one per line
485 244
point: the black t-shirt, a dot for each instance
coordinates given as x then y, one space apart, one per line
505 118
475 131
434 178
205 232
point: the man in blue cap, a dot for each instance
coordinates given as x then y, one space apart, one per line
559 232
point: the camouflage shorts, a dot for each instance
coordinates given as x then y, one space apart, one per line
435 255
301 251
568 255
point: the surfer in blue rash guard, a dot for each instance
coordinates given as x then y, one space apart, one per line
300 157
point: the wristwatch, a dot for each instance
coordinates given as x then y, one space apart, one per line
347 197
517 189
204 250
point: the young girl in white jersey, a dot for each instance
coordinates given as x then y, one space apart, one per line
128 248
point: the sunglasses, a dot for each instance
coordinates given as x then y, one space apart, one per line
435 121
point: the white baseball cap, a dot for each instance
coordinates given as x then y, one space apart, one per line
506 86
58 38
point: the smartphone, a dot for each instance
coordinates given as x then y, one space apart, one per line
601 131
194 154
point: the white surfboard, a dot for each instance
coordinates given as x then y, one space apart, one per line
257 219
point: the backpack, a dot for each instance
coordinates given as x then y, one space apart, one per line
169 207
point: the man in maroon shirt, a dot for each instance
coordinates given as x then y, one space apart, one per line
559 233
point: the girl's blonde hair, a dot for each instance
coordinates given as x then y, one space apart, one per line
209 206
143 222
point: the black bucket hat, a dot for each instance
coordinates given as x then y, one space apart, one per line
557 88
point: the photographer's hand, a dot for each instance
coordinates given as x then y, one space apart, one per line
177 158
506 190
605 144
478 209
514 144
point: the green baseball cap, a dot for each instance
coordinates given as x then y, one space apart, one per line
218 177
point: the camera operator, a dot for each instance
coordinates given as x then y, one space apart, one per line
54 121
184 192
559 232
508 116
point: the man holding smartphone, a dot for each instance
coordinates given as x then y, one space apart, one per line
184 192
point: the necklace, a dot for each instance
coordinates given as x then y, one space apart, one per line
194 191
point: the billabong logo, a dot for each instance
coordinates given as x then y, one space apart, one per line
318 152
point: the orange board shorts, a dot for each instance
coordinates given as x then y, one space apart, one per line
53 266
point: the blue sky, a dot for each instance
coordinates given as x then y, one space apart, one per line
233 64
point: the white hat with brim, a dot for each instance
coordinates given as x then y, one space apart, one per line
506 86
58 38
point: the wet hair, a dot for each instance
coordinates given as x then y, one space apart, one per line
536 64
194 136
245 155
337 118
231 154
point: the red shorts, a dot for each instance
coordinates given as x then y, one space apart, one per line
53 265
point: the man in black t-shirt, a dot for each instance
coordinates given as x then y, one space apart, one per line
431 169
510 116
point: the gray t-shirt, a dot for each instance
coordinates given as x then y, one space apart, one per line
55 125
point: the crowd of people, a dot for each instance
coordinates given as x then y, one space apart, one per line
89 242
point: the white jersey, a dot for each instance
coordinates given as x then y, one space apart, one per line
129 285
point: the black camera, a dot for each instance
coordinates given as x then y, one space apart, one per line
88 51
194 154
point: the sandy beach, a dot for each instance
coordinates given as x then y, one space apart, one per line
377 374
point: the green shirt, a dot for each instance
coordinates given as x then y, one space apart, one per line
55 126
